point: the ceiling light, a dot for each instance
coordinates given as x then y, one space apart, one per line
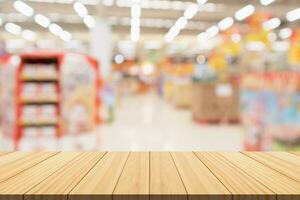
293 15
55 29
23 8
271 24
285 33
135 11
119 59
66 36
13 28
191 11
212 31
89 21
29 35
181 23
201 2
225 23
244 12
80 9
266 2
42 20
236 37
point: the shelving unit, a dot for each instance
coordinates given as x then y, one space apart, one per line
38 94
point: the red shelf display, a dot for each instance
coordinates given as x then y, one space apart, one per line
55 94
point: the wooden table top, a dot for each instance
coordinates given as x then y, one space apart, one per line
154 175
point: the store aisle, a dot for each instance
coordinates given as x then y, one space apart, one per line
148 123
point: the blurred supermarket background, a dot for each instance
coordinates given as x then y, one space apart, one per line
150 75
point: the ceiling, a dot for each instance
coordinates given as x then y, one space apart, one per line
119 17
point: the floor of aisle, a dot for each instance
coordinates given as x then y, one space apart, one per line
148 123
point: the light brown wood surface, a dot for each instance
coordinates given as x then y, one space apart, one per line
149 176
283 162
235 180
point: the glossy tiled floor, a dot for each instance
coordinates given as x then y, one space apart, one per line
148 123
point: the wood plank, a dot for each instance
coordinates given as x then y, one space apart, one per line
283 186
283 162
3 153
165 182
199 182
134 180
15 187
100 182
296 153
59 184
16 162
240 184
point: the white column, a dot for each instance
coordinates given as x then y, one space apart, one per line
101 45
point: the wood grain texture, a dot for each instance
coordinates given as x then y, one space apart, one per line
240 184
15 187
165 182
149 176
134 179
199 182
16 162
3 153
59 184
102 179
296 153
283 162
284 187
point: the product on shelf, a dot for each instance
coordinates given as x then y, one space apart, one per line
213 101
47 95
270 110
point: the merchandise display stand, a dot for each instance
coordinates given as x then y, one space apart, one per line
55 94
38 94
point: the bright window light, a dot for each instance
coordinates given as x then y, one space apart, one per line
23 8
244 12
285 33
66 36
212 31
55 29
293 15
13 28
89 21
29 35
80 9
225 23
271 24
42 20
266 2
191 11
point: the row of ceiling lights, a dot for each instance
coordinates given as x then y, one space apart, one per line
245 12
40 19
180 24
45 22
